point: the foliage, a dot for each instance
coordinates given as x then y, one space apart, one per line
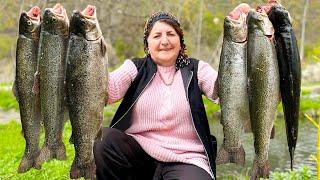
303 173
309 101
312 52
12 147
6 43
317 157
8 101
210 107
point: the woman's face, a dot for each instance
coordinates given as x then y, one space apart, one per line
163 44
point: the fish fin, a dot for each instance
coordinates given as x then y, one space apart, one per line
291 151
258 170
15 91
231 155
71 140
36 85
273 132
99 135
28 162
246 124
215 94
103 47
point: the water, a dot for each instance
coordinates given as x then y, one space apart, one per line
279 157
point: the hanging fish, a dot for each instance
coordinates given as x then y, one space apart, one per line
86 88
50 80
26 65
232 82
290 72
263 82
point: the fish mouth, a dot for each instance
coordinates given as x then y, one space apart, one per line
59 10
85 23
237 28
242 8
263 22
34 13
89 12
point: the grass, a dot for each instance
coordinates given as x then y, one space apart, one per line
8 101
303 173
12 148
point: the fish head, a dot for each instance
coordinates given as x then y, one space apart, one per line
236 30
235 26
85 24
55 20
29 23
279 16
260 21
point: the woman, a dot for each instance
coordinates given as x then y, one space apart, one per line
160 130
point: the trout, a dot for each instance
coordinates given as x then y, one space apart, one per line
86 88
232 82
290 72
263 82
26 65
50 80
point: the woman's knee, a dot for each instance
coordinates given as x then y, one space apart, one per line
110 136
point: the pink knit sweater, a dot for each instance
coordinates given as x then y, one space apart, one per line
161 118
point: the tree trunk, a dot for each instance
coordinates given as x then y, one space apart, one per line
199 29
303 24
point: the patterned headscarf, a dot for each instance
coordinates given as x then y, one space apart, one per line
182 59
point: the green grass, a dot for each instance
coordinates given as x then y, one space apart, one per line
303 173
12 148
8 101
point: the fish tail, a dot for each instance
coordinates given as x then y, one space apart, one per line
291 150
231 155
260 170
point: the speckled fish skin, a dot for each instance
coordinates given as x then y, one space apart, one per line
86 90
51 73
290 72
26 64
232 82
263 79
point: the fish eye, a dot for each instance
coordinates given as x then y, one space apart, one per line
29 23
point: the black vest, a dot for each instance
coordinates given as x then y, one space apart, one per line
146 72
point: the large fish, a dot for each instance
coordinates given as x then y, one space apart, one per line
232 82
50 80
26 65
290 72
86 88
263 82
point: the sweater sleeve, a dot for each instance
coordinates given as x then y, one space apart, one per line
207 81
120 80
